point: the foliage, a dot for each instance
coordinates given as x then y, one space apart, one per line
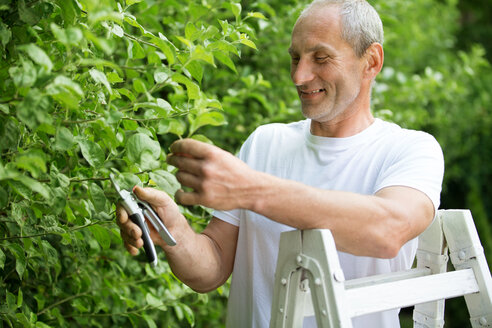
89 87
93 86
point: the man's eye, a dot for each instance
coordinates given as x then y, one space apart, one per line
295 60
321 58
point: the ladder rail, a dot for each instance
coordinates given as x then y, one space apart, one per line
310 256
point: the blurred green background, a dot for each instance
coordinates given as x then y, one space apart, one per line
87 87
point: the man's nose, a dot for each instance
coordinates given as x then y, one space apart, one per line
302 72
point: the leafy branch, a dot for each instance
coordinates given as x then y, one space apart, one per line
44 234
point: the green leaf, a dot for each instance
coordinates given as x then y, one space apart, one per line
152 300
65 91
127 181
127 93
9 133
207 118
69 10
150 322
191 32
101 235
40 324
186 42
117 30
4 109
165 46
10 300
5 34
68 84
202 138
58 200
92 153
20 259
140 143
98 197
226 60
2 259
249 43
24 76
236 9
162 74
256 14
100 77
137 51
131 2
32 160
174 126
33 109
161 106
64 139
139 85
20 298
4 197
27 15
35 186
192 88
196 70
69 37
38 56
113 77
199 53
165 181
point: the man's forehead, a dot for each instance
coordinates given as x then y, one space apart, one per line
314 48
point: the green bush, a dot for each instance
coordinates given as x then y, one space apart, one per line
89 87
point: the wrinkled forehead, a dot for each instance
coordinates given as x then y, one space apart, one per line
320 11
322 22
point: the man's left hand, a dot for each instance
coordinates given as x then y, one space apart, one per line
219 179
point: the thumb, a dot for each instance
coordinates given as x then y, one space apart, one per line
153 196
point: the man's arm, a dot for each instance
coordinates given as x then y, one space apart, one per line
203 261
366 225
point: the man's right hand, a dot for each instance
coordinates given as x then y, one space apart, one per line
163 205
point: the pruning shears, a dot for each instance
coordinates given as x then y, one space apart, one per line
139 210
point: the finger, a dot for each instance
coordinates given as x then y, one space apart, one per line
187 198
189 180
195 148
132 250
128 238
185 163
121 215
126 225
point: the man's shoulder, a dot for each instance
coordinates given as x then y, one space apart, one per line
275 129
394 130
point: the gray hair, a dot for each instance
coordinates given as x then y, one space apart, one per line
360 23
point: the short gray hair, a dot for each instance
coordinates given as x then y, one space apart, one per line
360 23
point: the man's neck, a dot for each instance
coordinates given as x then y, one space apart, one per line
344 126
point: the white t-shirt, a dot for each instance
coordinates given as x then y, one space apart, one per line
380 156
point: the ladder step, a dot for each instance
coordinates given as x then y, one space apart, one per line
398 294
389 277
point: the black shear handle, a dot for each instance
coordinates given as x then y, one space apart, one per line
139 220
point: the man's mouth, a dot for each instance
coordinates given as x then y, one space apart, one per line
312 92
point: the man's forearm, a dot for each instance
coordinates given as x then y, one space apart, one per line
367 225
195 261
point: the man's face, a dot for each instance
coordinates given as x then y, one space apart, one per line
324 68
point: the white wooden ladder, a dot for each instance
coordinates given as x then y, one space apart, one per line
309 278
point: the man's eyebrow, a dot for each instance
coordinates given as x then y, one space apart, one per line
321 46
318 47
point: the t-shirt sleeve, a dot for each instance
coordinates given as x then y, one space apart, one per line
417 162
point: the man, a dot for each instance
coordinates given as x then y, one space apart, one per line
375 185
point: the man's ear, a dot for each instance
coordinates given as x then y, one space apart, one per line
374 60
